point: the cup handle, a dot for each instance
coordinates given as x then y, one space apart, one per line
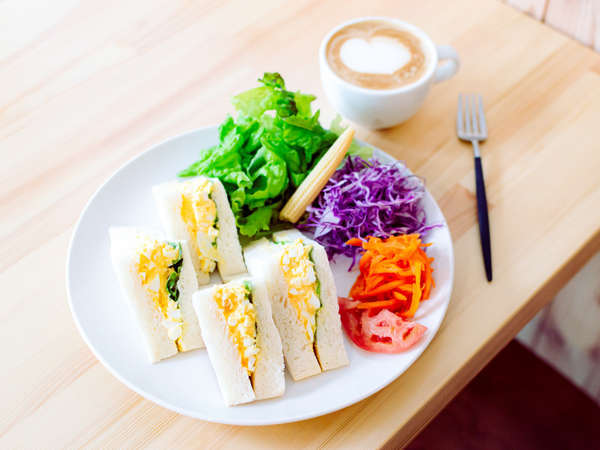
447 69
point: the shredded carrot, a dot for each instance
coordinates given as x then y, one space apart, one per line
386 287
399 295
356 242
376 304
395 273
372 282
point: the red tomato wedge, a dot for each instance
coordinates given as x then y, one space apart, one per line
384 332
351 320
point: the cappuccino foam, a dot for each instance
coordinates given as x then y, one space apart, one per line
376 55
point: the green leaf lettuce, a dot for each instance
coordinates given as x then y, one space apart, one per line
265 152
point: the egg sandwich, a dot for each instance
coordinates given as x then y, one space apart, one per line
242 342
304 301
158 280
197 210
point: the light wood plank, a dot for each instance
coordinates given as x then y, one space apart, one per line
96 83
535 8
579 19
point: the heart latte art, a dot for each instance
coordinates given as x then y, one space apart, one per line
376 55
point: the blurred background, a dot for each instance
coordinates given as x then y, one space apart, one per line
566 334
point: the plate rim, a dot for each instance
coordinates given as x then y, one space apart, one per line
190 413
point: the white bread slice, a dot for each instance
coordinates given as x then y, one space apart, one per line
329 339
262 260
191 335
167 197
236 387
230 260
268 379
125 244
232 378
168 201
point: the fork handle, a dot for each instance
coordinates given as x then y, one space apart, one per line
482 215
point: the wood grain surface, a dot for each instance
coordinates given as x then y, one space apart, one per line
579 19
535 8
86 85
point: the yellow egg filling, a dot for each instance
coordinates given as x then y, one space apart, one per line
153 268
302 284
234 301
199 213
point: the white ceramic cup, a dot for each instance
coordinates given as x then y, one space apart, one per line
384 108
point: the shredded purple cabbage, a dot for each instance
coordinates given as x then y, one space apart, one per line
366 198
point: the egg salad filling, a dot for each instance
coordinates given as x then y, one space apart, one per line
235 302
199 213
159 267
303 287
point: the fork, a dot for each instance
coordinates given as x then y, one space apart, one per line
471 126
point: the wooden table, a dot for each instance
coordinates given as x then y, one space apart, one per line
88 85
579 19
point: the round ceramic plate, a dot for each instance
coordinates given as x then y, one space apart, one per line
186 382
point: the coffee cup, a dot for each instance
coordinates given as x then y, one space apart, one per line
377 71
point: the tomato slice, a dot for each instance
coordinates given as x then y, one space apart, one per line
384 332
348 303
351 320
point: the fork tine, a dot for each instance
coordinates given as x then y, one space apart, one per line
474 115
467 121
482 123
459 115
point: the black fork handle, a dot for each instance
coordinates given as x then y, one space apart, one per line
482 215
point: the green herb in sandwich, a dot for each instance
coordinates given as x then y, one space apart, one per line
317 282
173 278
248 287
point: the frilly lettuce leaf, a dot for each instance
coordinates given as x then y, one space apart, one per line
266 151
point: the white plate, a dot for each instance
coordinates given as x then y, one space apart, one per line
186 382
